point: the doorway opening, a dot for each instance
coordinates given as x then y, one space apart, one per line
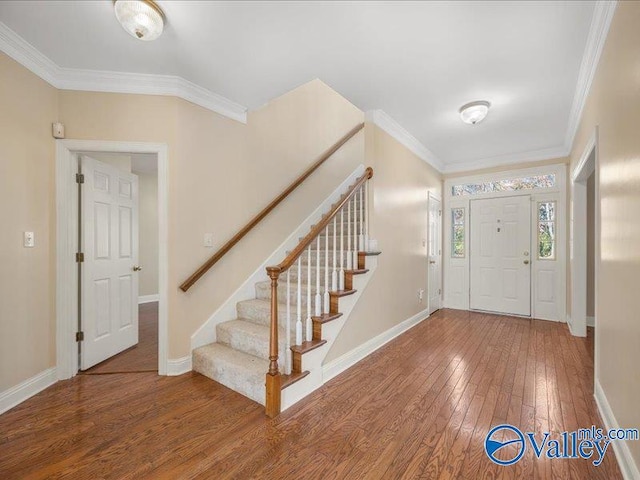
584 242
434 254
127 300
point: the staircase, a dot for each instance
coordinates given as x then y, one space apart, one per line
310 285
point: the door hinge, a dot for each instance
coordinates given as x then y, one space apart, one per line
79 336
439 213
439 292
79 257
79 177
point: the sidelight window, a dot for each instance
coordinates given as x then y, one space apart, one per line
547 230
457 233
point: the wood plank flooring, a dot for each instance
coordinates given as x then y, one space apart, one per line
419 407
144 356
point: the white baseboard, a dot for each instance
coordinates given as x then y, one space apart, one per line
591 321
178 366
626 463
340 364
148 298
21 392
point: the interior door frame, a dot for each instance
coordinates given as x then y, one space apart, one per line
432 197
67 223
587 165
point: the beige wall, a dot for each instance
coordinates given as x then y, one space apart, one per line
399 215
614 106
148 232
28 106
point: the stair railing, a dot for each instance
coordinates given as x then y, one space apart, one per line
188 283
356 202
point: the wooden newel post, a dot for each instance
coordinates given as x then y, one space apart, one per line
273 379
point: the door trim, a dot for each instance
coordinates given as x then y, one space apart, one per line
587 165
66 295
431 197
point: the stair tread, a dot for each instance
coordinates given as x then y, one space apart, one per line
250 363
342 293
327 317
287 380
307 346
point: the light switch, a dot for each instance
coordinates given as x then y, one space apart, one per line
208 240
29 240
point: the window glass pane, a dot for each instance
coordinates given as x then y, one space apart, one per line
506 185
547 230
457 232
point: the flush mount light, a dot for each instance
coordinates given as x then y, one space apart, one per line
142 19
474 112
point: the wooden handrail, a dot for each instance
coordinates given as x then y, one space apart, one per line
273 380
188 283
317 230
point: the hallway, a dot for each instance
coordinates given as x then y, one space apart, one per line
420 406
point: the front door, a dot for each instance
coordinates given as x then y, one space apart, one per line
500 256
109 240
435 255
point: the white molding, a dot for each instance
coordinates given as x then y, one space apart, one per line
508 159
27 389
626 463
178 366
349 359
206 333
114 82
66 246
600 23
148 299
397 131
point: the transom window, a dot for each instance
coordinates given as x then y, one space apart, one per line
507 185
547 230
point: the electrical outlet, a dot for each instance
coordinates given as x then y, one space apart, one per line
420 295
208 240
29 240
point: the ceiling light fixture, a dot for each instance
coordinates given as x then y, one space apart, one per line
142 19
474 112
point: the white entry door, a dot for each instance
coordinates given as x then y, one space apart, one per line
109 240
500 256
435 254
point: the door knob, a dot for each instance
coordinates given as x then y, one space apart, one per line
432 261
526 262
136 268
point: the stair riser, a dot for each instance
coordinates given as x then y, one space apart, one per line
262 316
322 259
253 344
355 226
355 238
265 294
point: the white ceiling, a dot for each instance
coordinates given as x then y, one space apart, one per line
416 61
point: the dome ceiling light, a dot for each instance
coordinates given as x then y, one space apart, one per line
142 19
474 112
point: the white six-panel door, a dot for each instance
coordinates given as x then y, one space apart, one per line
109 239
500 256
435 254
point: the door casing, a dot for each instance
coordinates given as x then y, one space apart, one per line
66 295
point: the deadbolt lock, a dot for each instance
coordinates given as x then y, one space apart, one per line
136 268
526 254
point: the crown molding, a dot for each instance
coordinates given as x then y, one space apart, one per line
114 82
600 23
397 131
508 159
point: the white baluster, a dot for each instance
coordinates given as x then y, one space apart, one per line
318 302
287 342
299 304
361 237
334 274
341 272
309 328
354 250
349 254
325 307
366 216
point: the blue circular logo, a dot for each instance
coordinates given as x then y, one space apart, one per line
514 437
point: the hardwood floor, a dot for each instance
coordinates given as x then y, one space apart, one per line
144 356
419 407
